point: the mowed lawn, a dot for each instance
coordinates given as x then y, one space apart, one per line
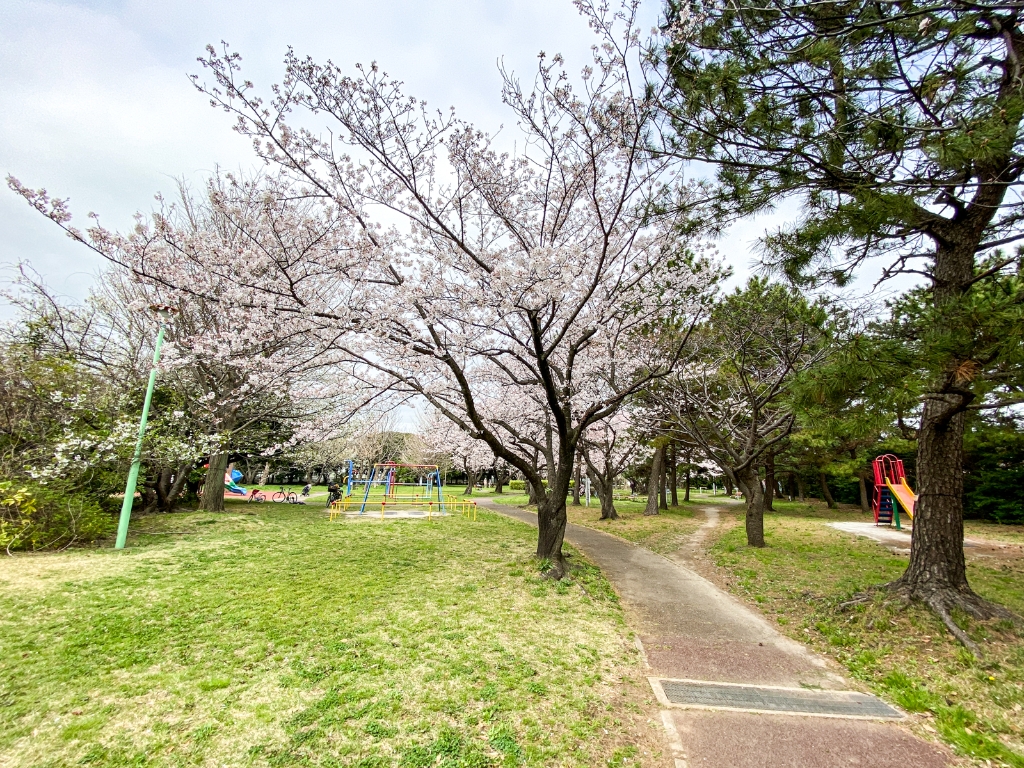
268 636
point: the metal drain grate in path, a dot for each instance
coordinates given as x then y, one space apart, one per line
753 698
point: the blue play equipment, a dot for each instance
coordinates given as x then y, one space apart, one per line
385 477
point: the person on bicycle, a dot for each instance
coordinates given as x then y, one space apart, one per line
333 493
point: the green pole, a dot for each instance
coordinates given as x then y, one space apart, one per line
133 473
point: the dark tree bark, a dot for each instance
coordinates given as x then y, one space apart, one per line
606 493
531 493
663 480
750 485
653 482
499 481
673 476
213 486
551 511
801 490
865 499
577 480
769 481
470 482
825 492
686 492
728 485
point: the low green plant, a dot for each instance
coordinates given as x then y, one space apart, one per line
35 517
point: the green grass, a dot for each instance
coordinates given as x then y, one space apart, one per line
902 652
267 636
663 533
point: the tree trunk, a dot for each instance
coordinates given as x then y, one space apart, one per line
750 483
533 497
801 490
577 480
499 481
937 573
769 481
213 486
470 482
653 482
551 512
728 485
825 492
865 500
686 492
605 486
673 477
663 480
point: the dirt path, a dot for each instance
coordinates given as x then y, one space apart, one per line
705 647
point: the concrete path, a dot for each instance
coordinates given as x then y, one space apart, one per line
692 630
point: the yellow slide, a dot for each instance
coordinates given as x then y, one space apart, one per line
904 495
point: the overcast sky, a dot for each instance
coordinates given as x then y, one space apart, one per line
96 104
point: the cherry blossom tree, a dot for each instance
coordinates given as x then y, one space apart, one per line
440 267
233 368
609 447
448 439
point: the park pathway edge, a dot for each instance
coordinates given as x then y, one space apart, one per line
690 629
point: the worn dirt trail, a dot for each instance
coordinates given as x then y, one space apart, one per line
693 631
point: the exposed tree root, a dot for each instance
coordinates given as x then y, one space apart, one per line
942 602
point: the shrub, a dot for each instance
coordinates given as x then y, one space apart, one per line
34 517
520 485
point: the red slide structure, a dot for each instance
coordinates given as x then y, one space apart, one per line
891 488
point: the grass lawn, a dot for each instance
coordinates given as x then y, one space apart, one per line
902 653
267 636
663 533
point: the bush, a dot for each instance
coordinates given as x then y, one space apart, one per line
34 517
520 485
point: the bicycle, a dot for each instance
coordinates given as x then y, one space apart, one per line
282 496
256 496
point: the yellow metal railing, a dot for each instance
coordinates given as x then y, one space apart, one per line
452 504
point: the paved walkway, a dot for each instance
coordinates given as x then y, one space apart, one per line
692 630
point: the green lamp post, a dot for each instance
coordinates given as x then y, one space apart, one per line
164 314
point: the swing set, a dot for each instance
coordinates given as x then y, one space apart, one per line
383 487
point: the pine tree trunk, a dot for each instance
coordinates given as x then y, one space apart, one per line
825 492
937 572
865 501
750 483
801 490
213 486
653 482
